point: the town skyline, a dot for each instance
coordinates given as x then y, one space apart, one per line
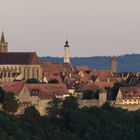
93 28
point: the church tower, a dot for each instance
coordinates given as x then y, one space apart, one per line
114 64
3 44
66 53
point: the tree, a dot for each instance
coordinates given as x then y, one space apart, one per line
32 81
53 81
116 87
32 114
10 103
87 94
69 104
90 94
2 94
54 106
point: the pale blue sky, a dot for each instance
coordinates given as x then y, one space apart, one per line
93 27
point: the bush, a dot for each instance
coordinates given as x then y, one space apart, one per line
53 81
32 81
10 103
32 114
2 94
90 94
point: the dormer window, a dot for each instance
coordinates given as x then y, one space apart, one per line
35 92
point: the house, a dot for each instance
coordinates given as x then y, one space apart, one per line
35 94
40 94
128 96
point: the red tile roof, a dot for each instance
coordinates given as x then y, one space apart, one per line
14 87
107 79
103 73
50 67
47 91
50 76
130 92
19 58
82 68
103 84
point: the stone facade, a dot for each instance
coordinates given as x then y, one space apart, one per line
66 53
25 72
114 64
26 97
40 94
102 97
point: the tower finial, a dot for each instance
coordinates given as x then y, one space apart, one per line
66 43
2 38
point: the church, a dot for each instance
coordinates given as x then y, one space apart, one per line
17 66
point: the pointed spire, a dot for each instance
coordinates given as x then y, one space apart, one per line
2 38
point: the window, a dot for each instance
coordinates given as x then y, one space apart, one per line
35 92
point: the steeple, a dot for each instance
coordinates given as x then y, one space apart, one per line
66 52
2 38
3 44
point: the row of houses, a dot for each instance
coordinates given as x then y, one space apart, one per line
20 66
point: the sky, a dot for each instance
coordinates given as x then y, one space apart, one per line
92 27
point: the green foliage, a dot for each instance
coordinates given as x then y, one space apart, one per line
116 87
90 94
32 81
2 94
53 81
106 123
132 80
54 106
9 103
32 114
70 103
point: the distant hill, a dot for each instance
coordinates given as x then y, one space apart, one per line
126 63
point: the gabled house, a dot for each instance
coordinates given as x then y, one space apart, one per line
40 94
128 96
